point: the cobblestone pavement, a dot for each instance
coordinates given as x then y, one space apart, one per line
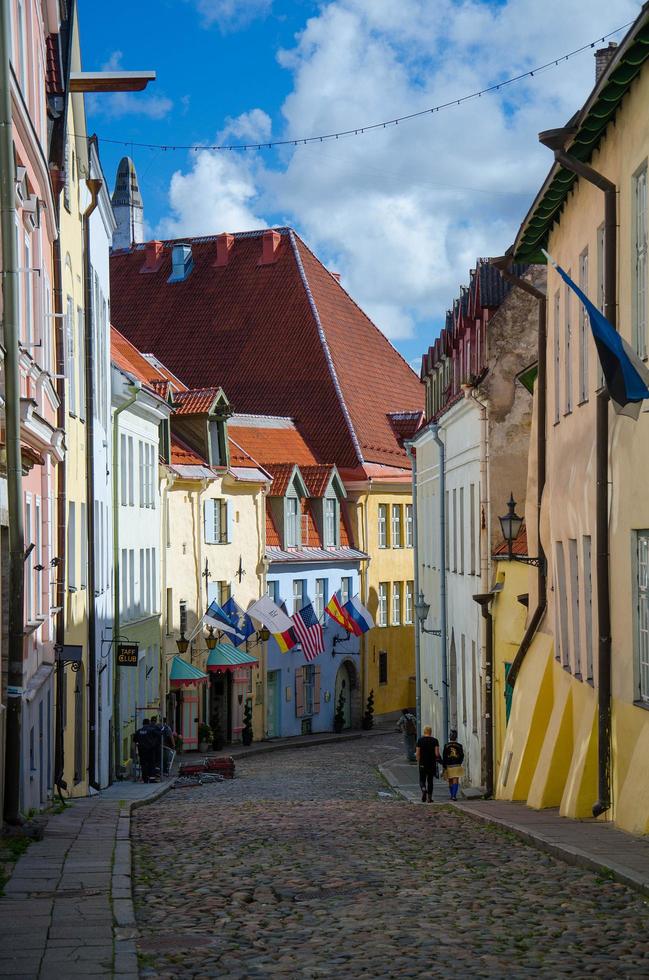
300 868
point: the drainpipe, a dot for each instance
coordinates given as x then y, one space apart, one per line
135 387
484 600
503 265
412 454
442 575
556 140
11 329
94 186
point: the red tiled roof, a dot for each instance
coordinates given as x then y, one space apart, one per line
184 455
270 445
272 534
128 358
160 387
285 337
316 478
310 536
53 74
281 474
195 401
405 424
519 547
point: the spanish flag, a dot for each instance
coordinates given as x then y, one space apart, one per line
339 614
285 640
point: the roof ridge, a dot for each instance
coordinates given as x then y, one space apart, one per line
324 343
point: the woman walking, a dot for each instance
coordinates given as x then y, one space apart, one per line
452 758
428 756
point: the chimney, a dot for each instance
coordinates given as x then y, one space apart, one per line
603 59
271 242
224 245
182 262
154 254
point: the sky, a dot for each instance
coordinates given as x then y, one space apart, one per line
401 213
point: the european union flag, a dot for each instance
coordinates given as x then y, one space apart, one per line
626 375
240 620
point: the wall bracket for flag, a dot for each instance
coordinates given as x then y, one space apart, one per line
340 639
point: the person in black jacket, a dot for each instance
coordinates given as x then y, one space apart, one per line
452 758
428 756
147 738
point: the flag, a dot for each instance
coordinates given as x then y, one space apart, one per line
309 632
240 620
359 614
627 377
286 640
215 616
270 615
337 612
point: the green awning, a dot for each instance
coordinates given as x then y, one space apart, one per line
184 674
224 656
527 377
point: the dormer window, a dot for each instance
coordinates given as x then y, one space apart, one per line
292 522
331 522
182 263
217 442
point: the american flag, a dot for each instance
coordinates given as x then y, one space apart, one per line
309 632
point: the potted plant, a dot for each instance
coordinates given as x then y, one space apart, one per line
339 717
246 733
368 718
178 739
204 737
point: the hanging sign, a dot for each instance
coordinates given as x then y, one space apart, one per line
127 654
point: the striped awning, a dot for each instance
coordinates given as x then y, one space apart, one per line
184 674
225 656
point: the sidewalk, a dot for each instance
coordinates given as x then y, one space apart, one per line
591 844
67 910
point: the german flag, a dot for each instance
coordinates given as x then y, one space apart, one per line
286 640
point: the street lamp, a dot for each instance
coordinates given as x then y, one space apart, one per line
510 525
182 643
210 639
422 608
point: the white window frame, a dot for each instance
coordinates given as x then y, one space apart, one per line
561 598
395 605
575 611
584 329
557 357
69 357
29 563
383 595
640 264
567 299
346 585
395 525
320 597
38 553
292 529
410 537
83 530
29 296
72 547
272 590
409 603
299 594
587 585
641 617
81 361
131 471
123 470
383 526
330 522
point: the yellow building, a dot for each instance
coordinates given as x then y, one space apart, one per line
381 509
553 755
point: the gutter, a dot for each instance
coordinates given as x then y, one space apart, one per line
11 329
555 140
135 387
504 267
94 186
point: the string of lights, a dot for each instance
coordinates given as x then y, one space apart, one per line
384 124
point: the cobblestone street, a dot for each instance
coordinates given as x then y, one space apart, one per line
307 865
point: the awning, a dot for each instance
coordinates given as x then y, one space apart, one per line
224 656
184 674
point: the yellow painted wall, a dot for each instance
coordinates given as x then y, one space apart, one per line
386 565
508 628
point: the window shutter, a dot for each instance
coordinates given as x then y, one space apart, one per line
316 689
228 520
208 520
299 692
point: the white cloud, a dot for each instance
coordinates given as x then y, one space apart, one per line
402 213
231 15
119 104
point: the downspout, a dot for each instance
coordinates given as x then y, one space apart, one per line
11 330
94 186
484 600
504 266
555 140
442 575
117 733
61 508
412 453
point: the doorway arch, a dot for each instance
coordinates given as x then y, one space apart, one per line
347 683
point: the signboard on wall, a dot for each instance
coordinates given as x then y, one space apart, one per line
127 654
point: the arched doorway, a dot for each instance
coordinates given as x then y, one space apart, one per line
347 684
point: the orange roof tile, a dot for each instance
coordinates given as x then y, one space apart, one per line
184 455
519 546
316 478
272 534
281 474
195 401
269 445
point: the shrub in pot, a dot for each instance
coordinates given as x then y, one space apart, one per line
246 733
204 737
368 718
339 717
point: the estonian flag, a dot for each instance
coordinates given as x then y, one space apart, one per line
215 616
627 377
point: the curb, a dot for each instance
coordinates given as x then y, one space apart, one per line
125 930
570 855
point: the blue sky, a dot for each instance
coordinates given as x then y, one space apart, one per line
402 214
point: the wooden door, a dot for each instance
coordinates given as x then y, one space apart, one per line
189 730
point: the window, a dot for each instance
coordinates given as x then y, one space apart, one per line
447 533
83 575
69 360
38 554
461 529
396 603
124 595
330 522
383 525
223 592
601 289
464 679
22 47
272 590
81 362
562 605
29 296
410 538
396 525
141 603
47 324
131 582
345 589
299 594
170 612
154 580
472 529
123 469
383 667
557 356
410 598
574 603
640 265
72 544
567 297
588 603
292 535
308 678
584 328
642 613
215 513
455 530
131 472
320 596
383 604
475 688
29 564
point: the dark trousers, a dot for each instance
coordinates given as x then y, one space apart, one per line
147 763
426 777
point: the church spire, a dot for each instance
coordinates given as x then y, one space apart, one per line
127 206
